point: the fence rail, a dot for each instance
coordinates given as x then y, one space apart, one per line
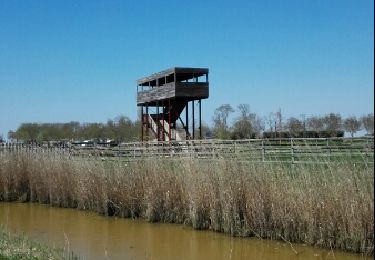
292 150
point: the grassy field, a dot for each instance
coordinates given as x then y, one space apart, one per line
326 204
16 246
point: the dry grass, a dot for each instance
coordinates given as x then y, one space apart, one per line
327 205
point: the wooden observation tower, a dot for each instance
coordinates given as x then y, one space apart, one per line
164 99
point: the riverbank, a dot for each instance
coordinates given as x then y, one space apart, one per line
16 246
325 205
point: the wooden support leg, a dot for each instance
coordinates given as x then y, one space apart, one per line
200 118
187 119
193 123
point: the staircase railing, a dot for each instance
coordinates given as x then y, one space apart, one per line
157 125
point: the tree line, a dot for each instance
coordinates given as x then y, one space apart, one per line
121 129
245 125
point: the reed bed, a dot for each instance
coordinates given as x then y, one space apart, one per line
329 205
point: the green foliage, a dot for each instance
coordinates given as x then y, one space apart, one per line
15 246
121 129
246 125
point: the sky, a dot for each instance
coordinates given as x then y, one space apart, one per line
64 61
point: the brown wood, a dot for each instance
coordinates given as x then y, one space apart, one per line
183 72
176 86
178 90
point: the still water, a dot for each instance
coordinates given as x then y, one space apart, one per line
96 237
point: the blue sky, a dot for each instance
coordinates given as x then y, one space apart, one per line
79 60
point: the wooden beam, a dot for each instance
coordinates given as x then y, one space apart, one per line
192 104
200 118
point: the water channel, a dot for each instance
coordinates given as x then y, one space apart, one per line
96 237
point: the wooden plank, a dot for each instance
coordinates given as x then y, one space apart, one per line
237 149
170 71
189 90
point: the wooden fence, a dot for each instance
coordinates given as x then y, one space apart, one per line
293 150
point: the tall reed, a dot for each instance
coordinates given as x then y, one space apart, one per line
329 205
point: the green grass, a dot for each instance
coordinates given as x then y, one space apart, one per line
16 246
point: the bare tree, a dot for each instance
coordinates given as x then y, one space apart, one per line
294 126
279 120
271 120
247 124
315 123
257 124
352 125
332 123
244 110
242 127
220 121
368 123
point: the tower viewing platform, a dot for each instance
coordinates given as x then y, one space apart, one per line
174 83
169 93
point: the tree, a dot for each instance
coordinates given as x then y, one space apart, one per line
206 131
368 123
27 132
125 129
93 131
352 125
136 135
258 125
110 129
247 125
120 129
332 123
315 123
220 121
279 120
242 127
294 126
275 123
11 135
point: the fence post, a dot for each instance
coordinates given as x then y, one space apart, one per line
329 149
263 150
291 147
